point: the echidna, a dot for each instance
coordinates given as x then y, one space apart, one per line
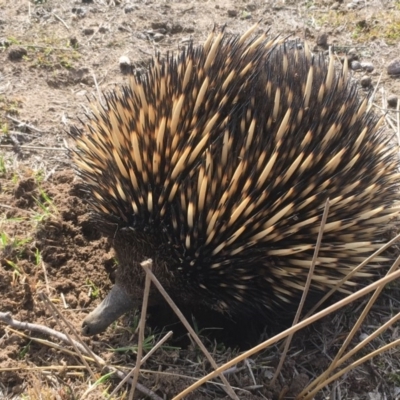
217 163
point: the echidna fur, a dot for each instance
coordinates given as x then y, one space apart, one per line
217 163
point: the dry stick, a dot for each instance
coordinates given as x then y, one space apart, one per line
352 366
10 321
144 359
371 337
62 21
349 275
55 346
21 123
43 368
349 338
7 319
142 325
56 313
10 146
398 122
371 102
305 291
157 284
302 324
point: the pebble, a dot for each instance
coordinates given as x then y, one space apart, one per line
129 9
251 7
393 67
366 81
392 100
335 6
124 64
367 66
355 65
362 337
158 37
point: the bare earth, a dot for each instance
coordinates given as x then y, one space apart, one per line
55 53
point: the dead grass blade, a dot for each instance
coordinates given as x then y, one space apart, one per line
318 381
195 337
305 291
142 325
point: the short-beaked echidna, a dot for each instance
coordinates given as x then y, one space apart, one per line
217 163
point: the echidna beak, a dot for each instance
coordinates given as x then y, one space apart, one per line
116 303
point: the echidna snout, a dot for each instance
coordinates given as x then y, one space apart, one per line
115 304
217 164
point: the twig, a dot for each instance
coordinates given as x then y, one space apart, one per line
10 146
157 284
59 317
24 124
7 319
142 326
10 321
144 359
62 21
305 291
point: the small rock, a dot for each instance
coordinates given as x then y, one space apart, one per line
367 66
352 52
322 40
392 100
251 7
393 67
4 42
158 37
88 31
335 6
124 64
129 9
103 29
362 337
232 13
366 81
17 53
355 65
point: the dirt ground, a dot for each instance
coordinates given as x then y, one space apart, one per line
53 54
